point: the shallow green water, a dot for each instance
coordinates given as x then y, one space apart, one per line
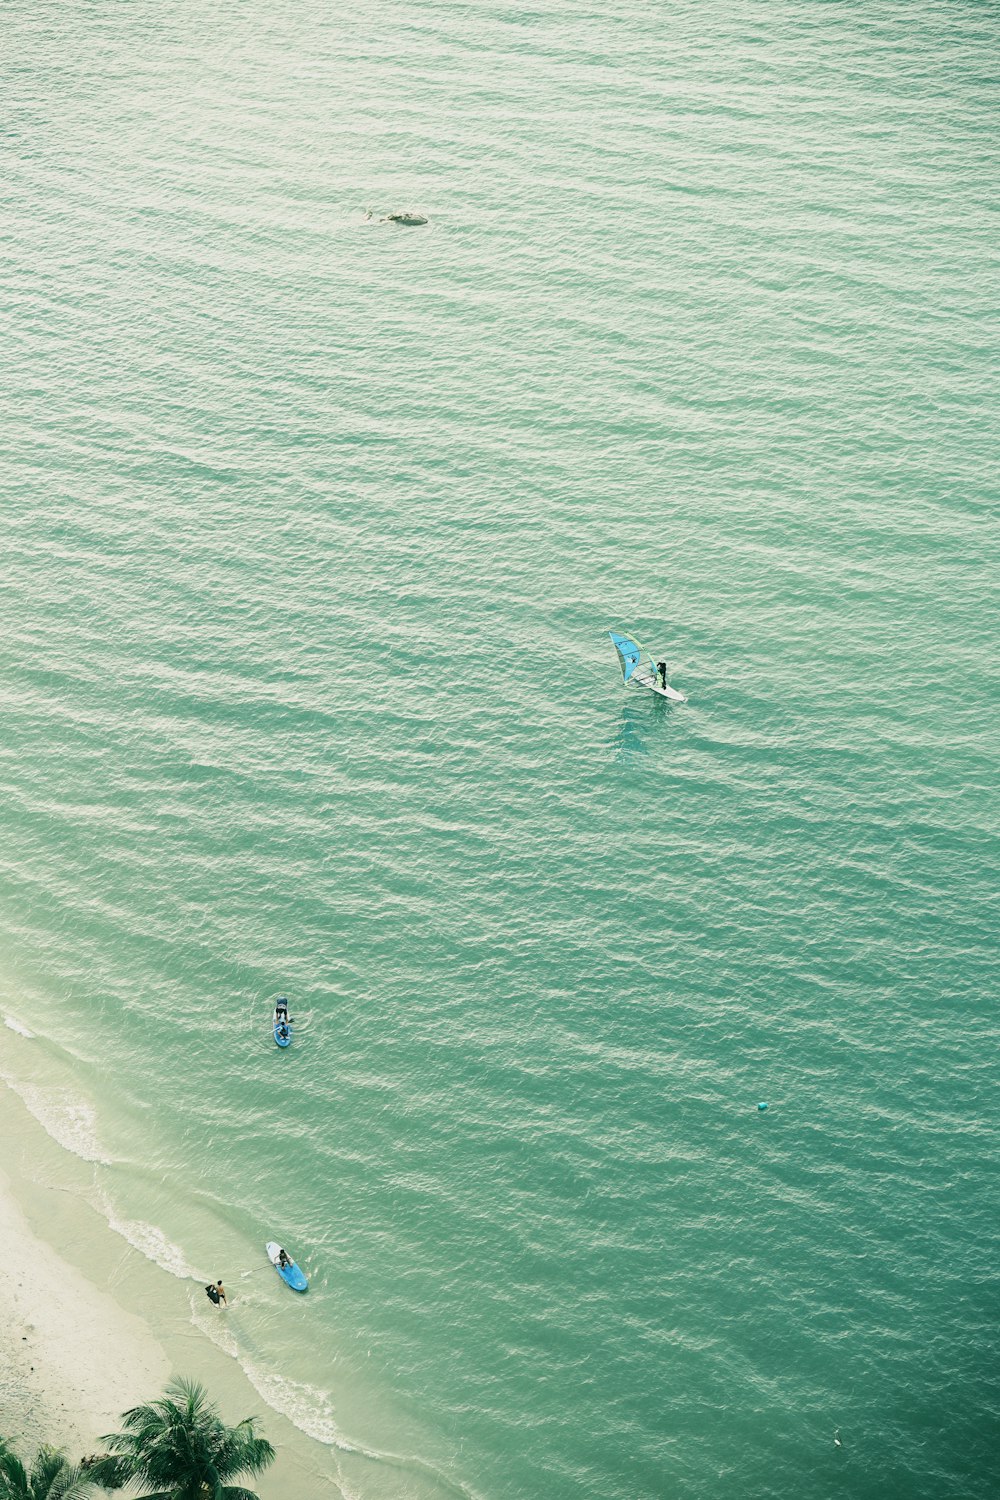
311 529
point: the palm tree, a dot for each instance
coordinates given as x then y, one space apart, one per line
181 1449
51 1477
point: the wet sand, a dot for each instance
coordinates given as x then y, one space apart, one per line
71 1359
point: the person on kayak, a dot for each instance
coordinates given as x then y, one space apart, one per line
281 1009
283 1260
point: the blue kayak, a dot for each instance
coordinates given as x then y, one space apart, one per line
289 1273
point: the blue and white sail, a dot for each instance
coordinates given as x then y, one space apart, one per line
630 654
639 667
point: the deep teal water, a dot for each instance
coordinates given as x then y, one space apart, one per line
311 528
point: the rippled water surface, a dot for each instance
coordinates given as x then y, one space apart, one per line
311 527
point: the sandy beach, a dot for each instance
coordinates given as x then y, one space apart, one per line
71 1359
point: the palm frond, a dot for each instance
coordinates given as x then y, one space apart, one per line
13 1475
79 1487
179 1447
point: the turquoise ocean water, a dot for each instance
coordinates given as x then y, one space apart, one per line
311 527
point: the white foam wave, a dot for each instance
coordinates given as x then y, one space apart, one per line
306 1406
69 1120
16 1026
311 1411
151 1242
212 1323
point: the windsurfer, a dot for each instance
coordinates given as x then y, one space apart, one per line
661 672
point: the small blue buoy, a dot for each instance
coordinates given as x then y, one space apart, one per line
762 1107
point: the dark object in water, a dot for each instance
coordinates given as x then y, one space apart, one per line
406 219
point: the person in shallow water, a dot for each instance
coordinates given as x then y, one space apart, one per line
221 1291
661 672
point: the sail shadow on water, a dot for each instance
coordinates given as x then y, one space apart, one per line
634 724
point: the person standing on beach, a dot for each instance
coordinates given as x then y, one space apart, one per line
221 1294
